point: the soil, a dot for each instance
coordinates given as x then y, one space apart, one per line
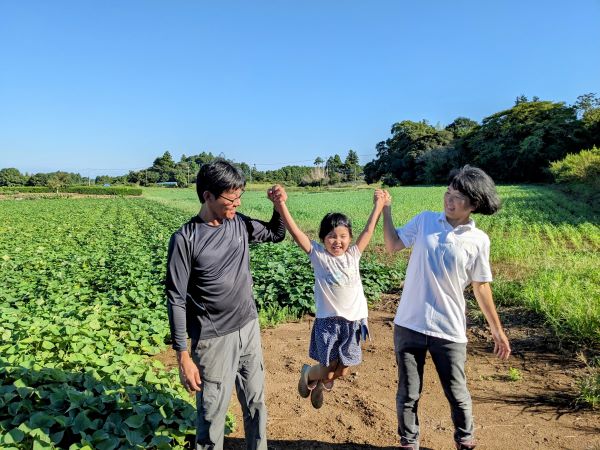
537 411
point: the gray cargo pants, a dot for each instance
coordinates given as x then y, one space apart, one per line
449 359
223 361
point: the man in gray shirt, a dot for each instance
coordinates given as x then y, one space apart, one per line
209 299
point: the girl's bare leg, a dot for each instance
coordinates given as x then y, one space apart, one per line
329 373
318 372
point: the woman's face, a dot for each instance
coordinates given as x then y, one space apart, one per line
457 207
337 240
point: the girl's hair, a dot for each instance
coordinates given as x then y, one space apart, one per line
478 186
332 220
217 177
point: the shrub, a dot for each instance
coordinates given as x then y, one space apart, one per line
97 190
84 190
24 189
583 167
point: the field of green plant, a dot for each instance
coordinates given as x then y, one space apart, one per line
83 311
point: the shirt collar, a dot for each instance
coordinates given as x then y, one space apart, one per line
467 226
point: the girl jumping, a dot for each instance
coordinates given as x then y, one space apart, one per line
341 306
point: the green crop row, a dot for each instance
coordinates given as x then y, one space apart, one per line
83 309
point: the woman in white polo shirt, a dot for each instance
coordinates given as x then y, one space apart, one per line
448 254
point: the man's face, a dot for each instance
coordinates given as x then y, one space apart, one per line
225 205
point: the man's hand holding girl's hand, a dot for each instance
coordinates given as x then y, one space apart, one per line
277 195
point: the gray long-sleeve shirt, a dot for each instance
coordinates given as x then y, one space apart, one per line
208 284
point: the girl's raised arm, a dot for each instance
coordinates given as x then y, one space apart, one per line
367 233
278 196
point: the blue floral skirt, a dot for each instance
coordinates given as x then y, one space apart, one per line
335 338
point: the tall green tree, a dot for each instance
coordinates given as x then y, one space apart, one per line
38 179
164 162
588 110
59 180
518 144
400 158
461 126
11 177
333 165
352 166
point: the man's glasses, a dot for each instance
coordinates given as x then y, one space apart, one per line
232 200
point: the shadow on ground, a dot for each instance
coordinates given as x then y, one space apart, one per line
240 444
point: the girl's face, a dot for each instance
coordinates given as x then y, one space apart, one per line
337 240
457 207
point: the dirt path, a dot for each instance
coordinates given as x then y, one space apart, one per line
536 412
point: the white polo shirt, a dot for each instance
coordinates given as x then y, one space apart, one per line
444 261
338 287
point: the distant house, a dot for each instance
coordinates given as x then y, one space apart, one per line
167 183
106 185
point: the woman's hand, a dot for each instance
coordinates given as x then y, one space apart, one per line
379 198
501 345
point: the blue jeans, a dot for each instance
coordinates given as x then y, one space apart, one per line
449 359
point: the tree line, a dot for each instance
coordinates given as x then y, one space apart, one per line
515 145
165 170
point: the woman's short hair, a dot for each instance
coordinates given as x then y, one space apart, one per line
217 177
478 186
331 221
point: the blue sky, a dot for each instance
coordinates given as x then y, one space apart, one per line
103 87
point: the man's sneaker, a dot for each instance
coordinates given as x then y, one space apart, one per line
316 395
465 445
304 386
408 445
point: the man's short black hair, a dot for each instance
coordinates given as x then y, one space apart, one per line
478 187
332 220
217 177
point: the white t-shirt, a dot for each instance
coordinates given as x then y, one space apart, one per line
443 262
338 287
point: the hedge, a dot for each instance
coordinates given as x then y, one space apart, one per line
84 190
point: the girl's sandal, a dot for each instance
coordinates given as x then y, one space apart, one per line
328 385
316 396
